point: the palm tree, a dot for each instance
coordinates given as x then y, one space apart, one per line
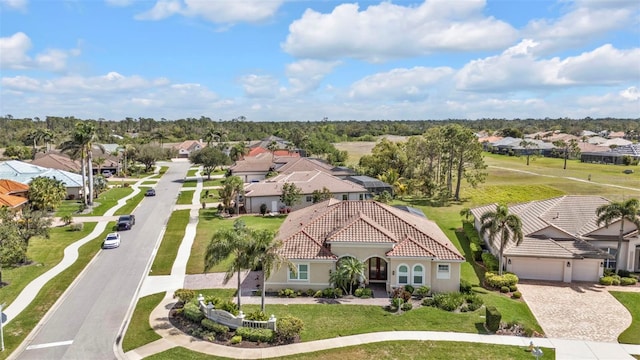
466 213
266 253
75 147
350 271
232 243
624 211
528 145
507 226
238 151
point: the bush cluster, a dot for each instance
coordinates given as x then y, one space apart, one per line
465 286
516 295
490 261
184 295
422 292
492 318
401 293
76 226
618 280
364 293
256 335
329 293
454 301
290 293
213 326
257 316
192 312
498 281
220 304
288 328
475 242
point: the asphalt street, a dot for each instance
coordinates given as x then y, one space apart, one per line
86 322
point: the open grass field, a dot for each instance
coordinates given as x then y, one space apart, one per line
209 223
389 350
163 262
631 301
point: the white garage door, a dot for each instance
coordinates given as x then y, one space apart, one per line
538 269
585 270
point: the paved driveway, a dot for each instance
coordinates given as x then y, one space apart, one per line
580 311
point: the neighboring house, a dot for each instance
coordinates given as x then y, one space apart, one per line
615 156
13 195
295 164
282 147
256 168
55 160
23 172
373 185
397 247
185 148
563 242
268 191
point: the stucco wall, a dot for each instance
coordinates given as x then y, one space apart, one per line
318 277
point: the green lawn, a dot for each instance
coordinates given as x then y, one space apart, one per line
170 243
631 301
192 172
16 331
139 331
149 182
209 223
108 199
205 182
132 203
390 350
185 197
45 254
162 171
68 207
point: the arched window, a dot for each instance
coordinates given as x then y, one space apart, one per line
403 274
418 274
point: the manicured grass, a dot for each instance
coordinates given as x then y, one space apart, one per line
45 254
389 350
132 203
631 300
209 223
68 207
16 331
192 172
149 182
162 171
171 240
205 182
139 331
185 197
108 199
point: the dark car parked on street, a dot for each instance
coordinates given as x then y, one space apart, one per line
126 222
150 192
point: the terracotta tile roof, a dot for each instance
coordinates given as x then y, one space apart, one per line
307 181
303 246
12 187
189 145
355 221
12 201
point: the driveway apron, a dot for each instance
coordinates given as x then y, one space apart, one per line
580 311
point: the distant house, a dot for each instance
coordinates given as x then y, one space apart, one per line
185 148
615 156
268 191
13 195
281 147
256 168
55 160
23 172
397 247
373 185
563 242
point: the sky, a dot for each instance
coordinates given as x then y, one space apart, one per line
277 60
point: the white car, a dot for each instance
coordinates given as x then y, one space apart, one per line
111 241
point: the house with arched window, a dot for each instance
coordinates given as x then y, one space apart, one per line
398 247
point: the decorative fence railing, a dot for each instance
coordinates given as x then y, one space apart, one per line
228 319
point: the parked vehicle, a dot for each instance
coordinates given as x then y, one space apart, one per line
106 173
111 241
126 222
150 192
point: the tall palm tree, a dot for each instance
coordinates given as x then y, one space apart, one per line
507 226
238 151
81 144
628 210
234 243
265 250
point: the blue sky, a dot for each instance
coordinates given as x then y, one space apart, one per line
274 60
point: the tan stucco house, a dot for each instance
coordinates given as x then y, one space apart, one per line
398 247
563 242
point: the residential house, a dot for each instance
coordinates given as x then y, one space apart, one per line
13 195
616 156
281 147
373 185
268 191
397 247
563 242
23 172
186 147
55 160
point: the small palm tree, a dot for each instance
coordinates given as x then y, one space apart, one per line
234 243
624 211
466 213
507 226
350 271
266 255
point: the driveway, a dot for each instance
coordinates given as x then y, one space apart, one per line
580 311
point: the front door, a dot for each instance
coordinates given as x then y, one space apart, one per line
377 269
637 259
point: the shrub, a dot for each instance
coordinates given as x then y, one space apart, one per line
422 291
263 209
331 293
409 288
407 306
615 282
513 288
473 302
606 280
256 335
236 339
497 281
625 281
401 293
257 316
609 272
67 219
184 295
364 293
288 328
290 293
504 289
428 302
310 292
516 295
448 301
76 226
228 306
396 303
490 261
192 312
624 273
211 325
476 250
465 286
493 318
318 294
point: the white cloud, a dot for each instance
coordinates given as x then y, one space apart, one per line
220 11
400 84
388 31
14 55
518 68
260 86
584 22
306 75
15 4
632 93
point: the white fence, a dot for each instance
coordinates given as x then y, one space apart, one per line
228 319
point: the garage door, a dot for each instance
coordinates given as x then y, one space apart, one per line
538 269
585 270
